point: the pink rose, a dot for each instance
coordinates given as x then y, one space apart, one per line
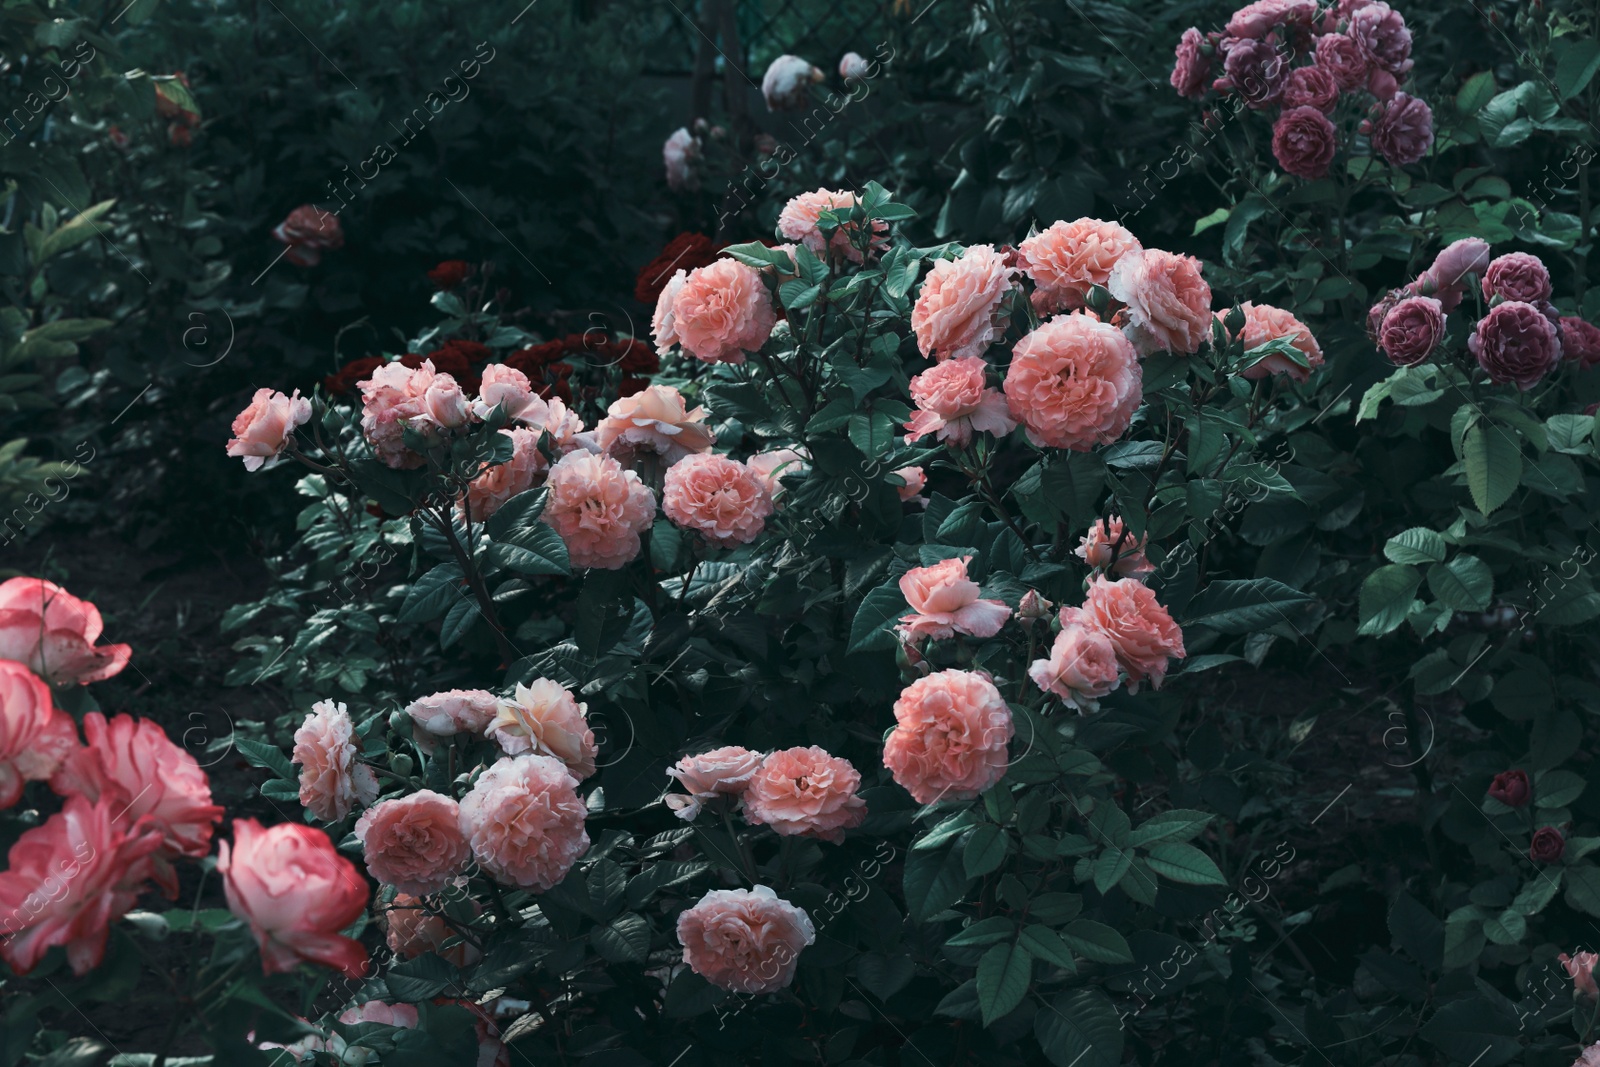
415 843
1443 279
952 731
332 781
494 488
944 602
1081 667
662 328
1589 1057
545 719
1191 69
1304 142
785 83
396 397
1069 258
307 232
744 940
150 782
958 313
1516 344
1411 330
722 311
1073 383
263 430
1401 129
525 821
296 892
1381 33
915 481
1141 631
721 772
1032 607
599 509
1517 276
852 65
1106 539
34 736
772 467
1381 84
953 399
1311 86
725 501
1169 303
410 929
507 387
655 419
805 792
679 154
455 711
67 881
1264 324
1580 968
1256 70
54 633
1343 58
1580 342
1261 17
800 221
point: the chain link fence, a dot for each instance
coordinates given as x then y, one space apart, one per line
814 29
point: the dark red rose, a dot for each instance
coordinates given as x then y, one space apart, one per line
1411 331
1304 142
629 386
1580 342
449 274
1517 276
1342 57
1548 845
1311 87
687 251
308 231
1401 129
1516 343
1191 70
1256 70
357 370
533 359
1511 788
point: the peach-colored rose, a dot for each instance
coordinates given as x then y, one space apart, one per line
410 929
722 311
1069 258
724 500
915 480
951 736
1169 303
262 430
494 488
332 782
1032 607
150 781
1104 538
1580 968
1141 631
1081 667
455 711
953 399
543 718
403 1016
655 419
745 940
772 467
67 881
944 602
397 396
805 792
524 820
662 329
725 771
507 387
296 892
1264 323
599 509
1074 383
414 842
800 218
54 633
30 726
958 313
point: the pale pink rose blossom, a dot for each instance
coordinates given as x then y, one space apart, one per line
410 930
959 313
655 419
852 65
414 842
662 328
599 509
296 893
722 311
397 396
915 480
800 220
332 780
525 821
1264 323
953 400
507 387
1589 1057
1169 303
951 736
54 633
772 467
1261 17
721 772
68 880
1080 669
1074 383
1191 68
454 711
1104 538
805 792
151 782
1069 258
542 717
493 489
262 430
679 153
35 737
1580 968
785 83
1141 631
944 602
744 940
723 500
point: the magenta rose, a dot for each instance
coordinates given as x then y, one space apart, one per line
1255 70
1192 69
1311 87
1401 129
1304 142
1580 342
1469 255
1516 344
1412 330
1511 788
1548 845
1381 33
1261 17
1517 276
1342 57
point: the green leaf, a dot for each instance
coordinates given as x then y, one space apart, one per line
1583 888
1046 944
1463 584
1215 218
420 979
1180 824
1475 92
537 550
1416 545
1569 433
78 230
985 849
1474 1030
1003 976
879 610
1080 1028
984 932
1577 66
933 881
625 939
261 754
1184 864
520 512
1557 789
1386 598
1493 462
1242 606
1096 941
432 594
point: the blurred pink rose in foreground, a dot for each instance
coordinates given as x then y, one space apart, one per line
35 736
744 940
264 429
54 633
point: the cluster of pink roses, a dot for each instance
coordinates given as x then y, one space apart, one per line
1355 46
1521 339
797 792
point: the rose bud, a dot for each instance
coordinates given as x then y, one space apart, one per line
1548 845
1511 788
